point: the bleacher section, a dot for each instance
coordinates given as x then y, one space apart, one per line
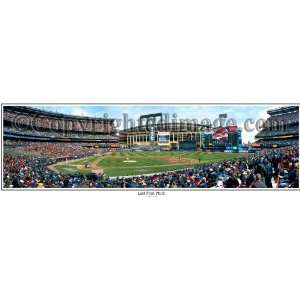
30 124
281 128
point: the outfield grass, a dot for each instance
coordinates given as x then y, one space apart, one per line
137 163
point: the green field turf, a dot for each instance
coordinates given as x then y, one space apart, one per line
138 163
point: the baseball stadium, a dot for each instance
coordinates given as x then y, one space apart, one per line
47 149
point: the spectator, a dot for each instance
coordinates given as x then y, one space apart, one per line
258 183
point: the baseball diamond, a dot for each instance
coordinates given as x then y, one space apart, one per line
142 163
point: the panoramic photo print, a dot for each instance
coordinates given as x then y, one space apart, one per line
150 146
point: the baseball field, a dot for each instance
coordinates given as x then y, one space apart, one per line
138 163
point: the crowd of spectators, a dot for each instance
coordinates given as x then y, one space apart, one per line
27 165
270 132
281 143
26 132
284 119
273 168
54 150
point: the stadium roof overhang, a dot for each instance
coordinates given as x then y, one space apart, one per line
40 112
283 110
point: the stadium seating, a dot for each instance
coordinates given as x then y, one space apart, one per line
25 123
281 128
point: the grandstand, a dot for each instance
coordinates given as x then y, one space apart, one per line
280 129
25 123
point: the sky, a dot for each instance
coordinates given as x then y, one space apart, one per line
240 113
